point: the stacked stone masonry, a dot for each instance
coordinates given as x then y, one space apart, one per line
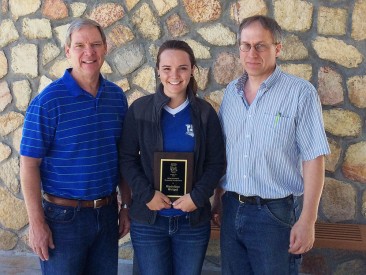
325 43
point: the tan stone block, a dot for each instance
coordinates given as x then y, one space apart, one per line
54 9
200 51
78 9
218 35
356 91
106 69
354 165
119 36
293 49
163 6
133 96
332 159
43 82
343 123
153 51
203 10
20 8
3 65
146 23
8 240
57 70
338 200
330 86
176 26
215 98
125 252
246 8
145 78
13 214
5 96
9 122
332 21
293 15
123 84
227 67
201 76
131 3
303 71
5 151
22 92
337 51
16 137
37 28
24 60
61 33
8 33
107 14
49 53
9 174
358 20
4 6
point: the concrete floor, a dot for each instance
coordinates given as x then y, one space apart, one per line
28 264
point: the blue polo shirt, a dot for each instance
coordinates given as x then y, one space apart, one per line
76 135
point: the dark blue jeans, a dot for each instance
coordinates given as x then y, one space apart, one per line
86 240
170 246
255 238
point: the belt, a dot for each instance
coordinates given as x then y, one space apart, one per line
254 199
76 203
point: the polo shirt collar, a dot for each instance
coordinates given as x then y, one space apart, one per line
73 87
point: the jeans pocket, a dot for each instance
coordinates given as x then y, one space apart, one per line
282 212
58 214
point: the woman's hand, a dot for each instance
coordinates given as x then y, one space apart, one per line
159 201
185 203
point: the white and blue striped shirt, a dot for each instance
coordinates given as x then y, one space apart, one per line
267 141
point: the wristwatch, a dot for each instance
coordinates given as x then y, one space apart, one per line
125 206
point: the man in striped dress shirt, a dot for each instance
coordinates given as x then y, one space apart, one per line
69 151
275 147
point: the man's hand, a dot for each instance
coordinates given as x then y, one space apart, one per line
302 237
216 210
159 201
185 203
123 223
40 239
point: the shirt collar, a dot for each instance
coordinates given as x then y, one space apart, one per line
270 81
73 87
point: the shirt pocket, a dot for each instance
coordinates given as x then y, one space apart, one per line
279 129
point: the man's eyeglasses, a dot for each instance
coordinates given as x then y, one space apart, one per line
260 47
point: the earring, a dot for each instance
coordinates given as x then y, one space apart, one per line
158 75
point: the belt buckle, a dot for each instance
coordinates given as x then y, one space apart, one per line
95 203
239 199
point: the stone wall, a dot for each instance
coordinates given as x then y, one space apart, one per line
325 43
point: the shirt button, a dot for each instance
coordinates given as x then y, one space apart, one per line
245 176
247 136
245 156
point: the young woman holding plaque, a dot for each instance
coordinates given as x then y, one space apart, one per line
171 236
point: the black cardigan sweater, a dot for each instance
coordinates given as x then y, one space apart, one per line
142 136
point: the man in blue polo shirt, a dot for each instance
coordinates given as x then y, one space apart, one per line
69 155
275 147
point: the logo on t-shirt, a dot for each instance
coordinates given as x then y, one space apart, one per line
189 130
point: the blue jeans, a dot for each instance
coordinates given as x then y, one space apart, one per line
255 238
170 246
86 240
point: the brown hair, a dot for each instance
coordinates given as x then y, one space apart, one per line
182 46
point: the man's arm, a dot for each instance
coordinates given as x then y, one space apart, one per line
40 236
124 220
303 232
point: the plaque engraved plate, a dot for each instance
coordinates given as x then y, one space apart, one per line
173 173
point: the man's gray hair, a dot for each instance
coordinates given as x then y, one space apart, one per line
267 23
79 23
